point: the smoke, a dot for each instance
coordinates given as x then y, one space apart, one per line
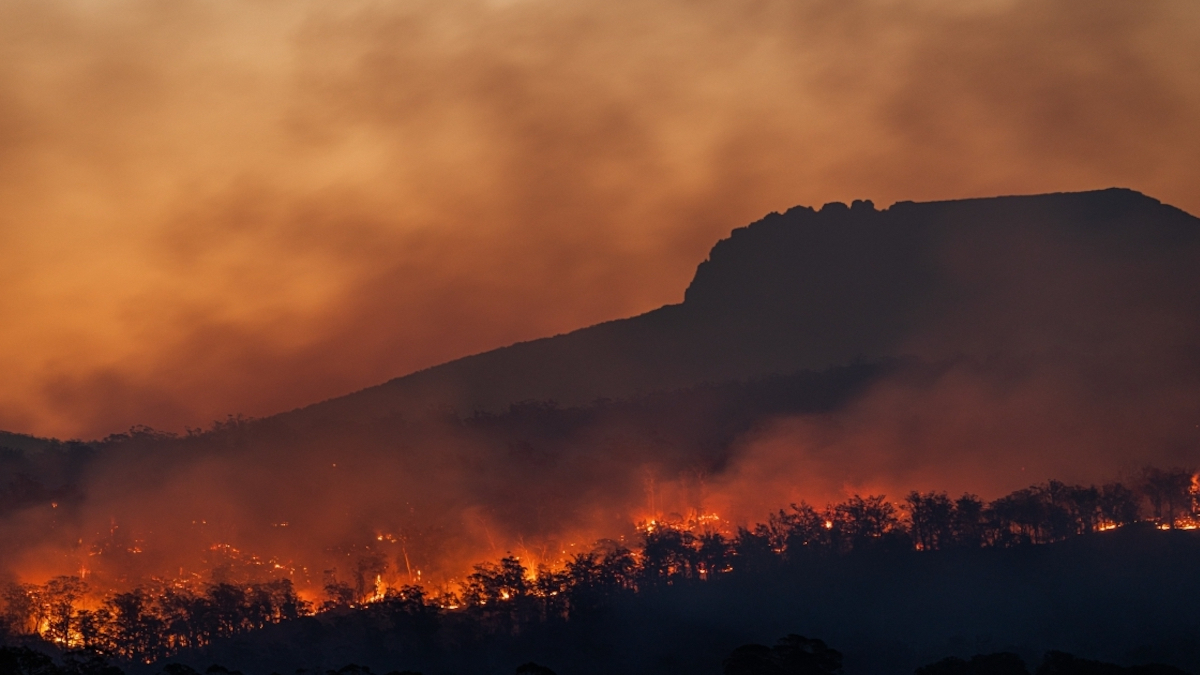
215 207
986 429
416 501
1049 349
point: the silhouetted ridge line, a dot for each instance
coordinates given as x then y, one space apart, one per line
23 442
812 289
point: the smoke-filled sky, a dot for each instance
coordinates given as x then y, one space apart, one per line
212 207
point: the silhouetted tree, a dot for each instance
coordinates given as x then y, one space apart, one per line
92 626
1057 522
408 609
1169 493
931 518
752 551
227 604
1061 663
792 655
135 629
493 583
1000 663
618 569
550 587
863 521
968 525
1083 504
499 593
87 662
586 589
802 531
752 660
807 656
712 555
595 577
1119 505
668 554
1019 518
59 596
23 609
368 568
25 661
337 593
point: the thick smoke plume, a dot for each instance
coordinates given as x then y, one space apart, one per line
215 207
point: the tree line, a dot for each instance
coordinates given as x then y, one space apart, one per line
147 623
155 621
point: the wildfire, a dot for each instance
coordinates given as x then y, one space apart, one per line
377 568
695 521
380 590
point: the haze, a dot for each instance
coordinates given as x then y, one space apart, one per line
212 207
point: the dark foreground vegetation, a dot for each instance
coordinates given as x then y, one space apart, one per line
792 655
1106 572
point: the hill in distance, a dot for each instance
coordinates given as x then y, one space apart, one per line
1102 274
1108 275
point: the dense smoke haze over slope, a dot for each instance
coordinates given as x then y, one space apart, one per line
601 285
231 207
977 345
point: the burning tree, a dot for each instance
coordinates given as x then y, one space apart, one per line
153 621
59 597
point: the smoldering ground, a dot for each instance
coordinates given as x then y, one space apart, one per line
230 207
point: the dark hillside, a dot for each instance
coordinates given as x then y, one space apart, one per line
811 289
532 471
23 442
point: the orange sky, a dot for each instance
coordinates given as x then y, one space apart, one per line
219 206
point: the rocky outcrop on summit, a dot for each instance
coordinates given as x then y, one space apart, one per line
1109 272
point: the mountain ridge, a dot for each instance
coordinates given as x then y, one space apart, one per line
747 301
812 289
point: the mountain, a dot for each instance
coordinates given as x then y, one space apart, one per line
1101 272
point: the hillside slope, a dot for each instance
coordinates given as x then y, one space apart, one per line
1104 271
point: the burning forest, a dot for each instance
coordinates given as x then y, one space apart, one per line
560 337
899 377
161 618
